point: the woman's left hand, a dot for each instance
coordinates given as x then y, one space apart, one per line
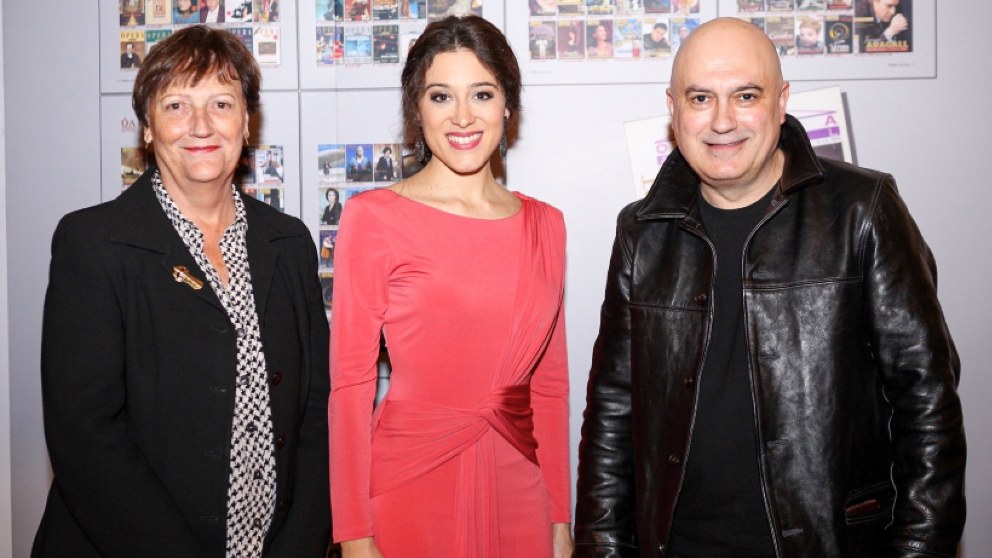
561 536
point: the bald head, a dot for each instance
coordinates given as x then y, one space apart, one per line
727 37
727 100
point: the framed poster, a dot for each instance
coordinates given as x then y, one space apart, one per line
846 39
633 41
362 44
129 29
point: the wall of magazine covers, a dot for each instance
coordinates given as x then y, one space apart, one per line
615 41
331 68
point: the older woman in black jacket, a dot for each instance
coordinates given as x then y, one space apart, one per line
184 353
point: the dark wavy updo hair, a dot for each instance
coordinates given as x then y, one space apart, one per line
187 56
452 33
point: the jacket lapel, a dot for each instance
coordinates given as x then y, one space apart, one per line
141 223
262 256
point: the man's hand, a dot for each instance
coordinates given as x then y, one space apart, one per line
898 24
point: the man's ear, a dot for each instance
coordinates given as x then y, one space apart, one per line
783 100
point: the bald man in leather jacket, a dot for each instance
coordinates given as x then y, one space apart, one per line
773 375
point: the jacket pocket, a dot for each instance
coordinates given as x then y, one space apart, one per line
869 503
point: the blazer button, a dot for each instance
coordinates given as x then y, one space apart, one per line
689 381
280 441
674 459
276 378
700 299
283 505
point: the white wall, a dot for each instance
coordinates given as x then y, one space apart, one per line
929 133
53 167
6 511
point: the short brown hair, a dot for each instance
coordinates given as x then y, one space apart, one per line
471 33
186 57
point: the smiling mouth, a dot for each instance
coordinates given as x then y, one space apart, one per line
204 149
724 144
464 140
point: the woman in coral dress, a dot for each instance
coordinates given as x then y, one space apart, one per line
467 455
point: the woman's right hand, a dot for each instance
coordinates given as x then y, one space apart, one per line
360 548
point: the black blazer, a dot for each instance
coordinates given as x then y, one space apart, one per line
138 378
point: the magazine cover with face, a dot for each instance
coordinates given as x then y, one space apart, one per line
599 38
884 26
781 30
571 39
132 49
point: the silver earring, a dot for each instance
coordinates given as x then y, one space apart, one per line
420 150
502 141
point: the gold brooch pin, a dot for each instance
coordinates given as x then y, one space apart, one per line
182 275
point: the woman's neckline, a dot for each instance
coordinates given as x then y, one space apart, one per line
456 215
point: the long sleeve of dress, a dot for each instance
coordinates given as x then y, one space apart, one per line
549 399
362 263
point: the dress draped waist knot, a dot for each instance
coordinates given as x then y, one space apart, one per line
411 437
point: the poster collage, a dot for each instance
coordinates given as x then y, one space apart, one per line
377 31
834 27
143 23
609 29
644 29
344 170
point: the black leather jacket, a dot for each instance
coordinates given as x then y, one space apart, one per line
853 372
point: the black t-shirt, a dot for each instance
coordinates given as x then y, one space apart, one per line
720 512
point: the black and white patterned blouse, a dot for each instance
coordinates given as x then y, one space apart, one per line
251 488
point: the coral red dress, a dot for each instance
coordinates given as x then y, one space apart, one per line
468 453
